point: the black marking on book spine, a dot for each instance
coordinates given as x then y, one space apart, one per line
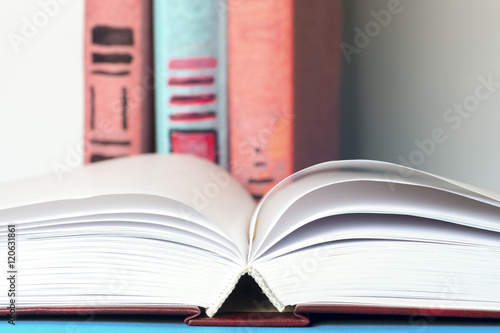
111 73
92 108
111 142
113 58
193 115
260 181
98 158
191 81
124 110
104 35
193 98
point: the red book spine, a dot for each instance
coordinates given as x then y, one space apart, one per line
260 37
118 79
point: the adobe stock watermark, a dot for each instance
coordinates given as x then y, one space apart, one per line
454 118
220 180
117 284
137 95
422 316
263 310
380 20
72 160
222 7
435 308
253 146
31 26
302 271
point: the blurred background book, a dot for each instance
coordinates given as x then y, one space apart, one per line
419 86
118 73
190 47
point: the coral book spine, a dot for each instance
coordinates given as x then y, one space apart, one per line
118 79
260 43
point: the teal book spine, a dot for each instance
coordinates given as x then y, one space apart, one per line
190 78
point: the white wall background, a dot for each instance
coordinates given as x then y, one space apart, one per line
399 86
41 86
395 91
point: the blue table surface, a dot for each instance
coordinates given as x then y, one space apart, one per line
177 325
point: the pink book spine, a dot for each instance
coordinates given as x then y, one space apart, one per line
118 79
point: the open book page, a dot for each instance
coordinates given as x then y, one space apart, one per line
344 187
389 273
116 263
161 229
184 187
371 234
354 227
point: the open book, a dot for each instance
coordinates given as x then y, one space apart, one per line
160 231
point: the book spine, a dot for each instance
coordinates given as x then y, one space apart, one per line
260 92
190 66
215 306
317 67
118 79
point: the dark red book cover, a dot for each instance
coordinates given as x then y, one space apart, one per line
194 316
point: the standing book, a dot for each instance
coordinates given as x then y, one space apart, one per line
118 79
173 234
190 66
284 73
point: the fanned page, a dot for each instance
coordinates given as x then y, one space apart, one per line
376 234
142 230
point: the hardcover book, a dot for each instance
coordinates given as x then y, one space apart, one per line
173 234
190 66
118 79
284 74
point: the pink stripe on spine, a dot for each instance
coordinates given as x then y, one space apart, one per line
193 63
